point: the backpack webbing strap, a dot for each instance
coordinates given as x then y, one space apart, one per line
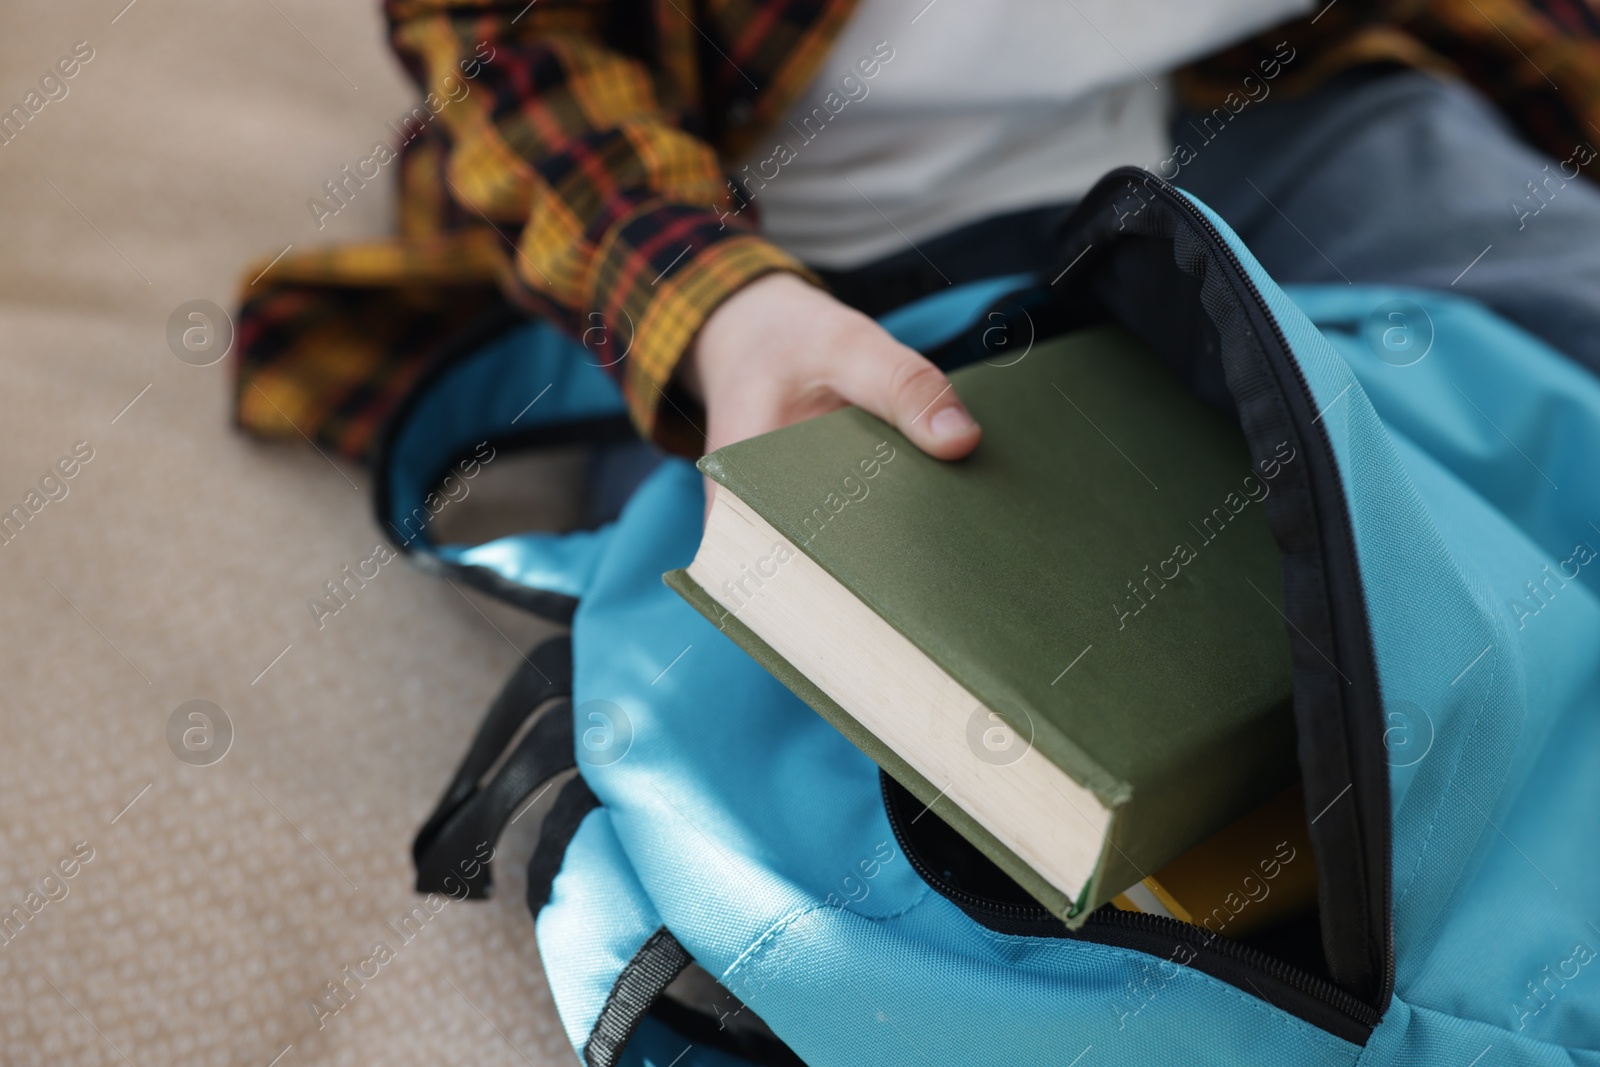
451 854
449 847
659 960
561 822
543 674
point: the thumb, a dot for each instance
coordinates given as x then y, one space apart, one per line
904 389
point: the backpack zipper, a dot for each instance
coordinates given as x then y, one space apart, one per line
1105 924
1206 226
1233 961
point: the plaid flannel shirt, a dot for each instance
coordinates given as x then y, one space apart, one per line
567 161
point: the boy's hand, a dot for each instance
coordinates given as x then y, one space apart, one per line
781 350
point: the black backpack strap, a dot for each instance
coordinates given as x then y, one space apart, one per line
642 988
453 847
568 810
659 960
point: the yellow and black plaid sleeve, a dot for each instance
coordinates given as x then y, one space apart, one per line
566 173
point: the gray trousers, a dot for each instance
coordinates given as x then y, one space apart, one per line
1405 179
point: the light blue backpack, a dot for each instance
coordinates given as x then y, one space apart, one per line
726 880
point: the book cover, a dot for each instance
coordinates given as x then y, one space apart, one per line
1099 574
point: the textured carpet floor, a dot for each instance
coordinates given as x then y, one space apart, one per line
219 899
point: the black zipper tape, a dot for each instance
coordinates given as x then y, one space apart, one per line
1298 992
1338 709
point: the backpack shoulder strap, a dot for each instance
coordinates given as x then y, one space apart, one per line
453 848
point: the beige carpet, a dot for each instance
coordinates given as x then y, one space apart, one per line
219 899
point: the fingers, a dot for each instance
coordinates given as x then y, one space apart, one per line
901 387
781 350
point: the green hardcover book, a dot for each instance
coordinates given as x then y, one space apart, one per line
1069 644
